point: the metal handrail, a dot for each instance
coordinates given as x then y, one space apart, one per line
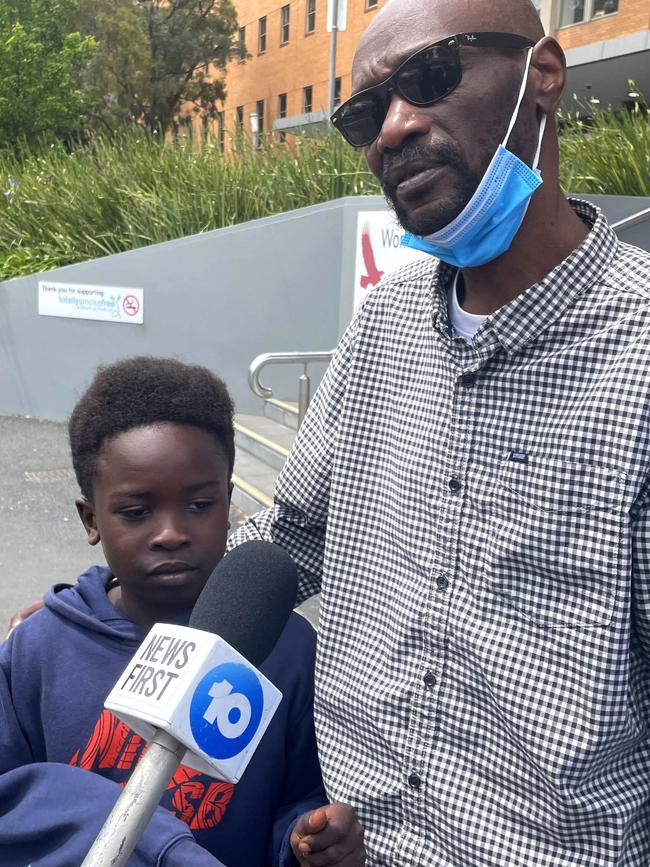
304 383
632 220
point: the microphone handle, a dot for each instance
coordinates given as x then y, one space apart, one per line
137 803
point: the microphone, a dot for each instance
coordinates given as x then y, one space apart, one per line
194 692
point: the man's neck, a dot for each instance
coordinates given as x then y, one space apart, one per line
550 232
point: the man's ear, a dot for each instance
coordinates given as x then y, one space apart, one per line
549 63
86 512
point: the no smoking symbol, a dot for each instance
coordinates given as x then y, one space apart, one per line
131 305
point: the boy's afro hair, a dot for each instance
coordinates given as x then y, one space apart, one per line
141 391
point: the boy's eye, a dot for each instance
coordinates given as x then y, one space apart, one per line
135 512
199 505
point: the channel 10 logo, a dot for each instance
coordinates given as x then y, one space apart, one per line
226 710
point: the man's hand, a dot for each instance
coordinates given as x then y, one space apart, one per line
330 835
24 614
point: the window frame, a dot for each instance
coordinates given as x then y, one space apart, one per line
308 105
588 16
285 26
282 105
242 44
262 33
310 15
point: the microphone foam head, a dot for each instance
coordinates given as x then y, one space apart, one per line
248 598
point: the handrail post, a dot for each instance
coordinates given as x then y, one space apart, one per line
304 384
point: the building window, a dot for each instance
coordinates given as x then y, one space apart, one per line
578 11
261 35
242 44
259 108
370 4
307 98
284 24
337 91
239 116
282 105
311 16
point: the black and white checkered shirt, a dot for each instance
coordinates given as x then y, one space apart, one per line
478 520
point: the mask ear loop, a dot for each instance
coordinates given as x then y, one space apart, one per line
522 91
515 115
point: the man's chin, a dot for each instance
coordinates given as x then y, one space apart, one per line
425 219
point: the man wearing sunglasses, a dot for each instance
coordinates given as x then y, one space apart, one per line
471 486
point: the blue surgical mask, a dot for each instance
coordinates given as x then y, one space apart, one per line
487 225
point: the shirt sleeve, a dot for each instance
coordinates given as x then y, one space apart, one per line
298 519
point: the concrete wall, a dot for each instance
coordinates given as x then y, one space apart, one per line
218 299
283 283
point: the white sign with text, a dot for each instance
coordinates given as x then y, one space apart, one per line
78 301
378 250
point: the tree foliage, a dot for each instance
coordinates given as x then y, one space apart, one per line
42 59
157 57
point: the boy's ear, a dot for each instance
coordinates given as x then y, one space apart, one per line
86 512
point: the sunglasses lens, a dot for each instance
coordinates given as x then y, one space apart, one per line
360 118
429 75
425 78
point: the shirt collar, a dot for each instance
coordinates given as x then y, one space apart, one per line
527 316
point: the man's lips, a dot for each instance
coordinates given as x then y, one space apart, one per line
171 567
415 184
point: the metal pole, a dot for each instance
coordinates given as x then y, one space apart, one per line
136 805
304 384
332 84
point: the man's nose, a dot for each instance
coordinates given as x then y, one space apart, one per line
402 121
171 533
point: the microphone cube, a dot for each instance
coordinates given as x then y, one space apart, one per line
200 690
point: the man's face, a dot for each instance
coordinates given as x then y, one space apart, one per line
430 160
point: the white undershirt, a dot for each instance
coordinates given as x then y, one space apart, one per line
464 324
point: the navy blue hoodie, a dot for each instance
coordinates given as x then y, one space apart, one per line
55 672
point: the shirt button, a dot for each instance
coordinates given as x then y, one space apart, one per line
429 679
442 582
414 781
454 485
468 380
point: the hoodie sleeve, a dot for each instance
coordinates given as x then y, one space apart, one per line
14 746
52 813
303 789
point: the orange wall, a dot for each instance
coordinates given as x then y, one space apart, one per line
632 16
303 61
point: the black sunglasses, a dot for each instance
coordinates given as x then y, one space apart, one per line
427 76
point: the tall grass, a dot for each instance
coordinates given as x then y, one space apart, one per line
610 154
133 190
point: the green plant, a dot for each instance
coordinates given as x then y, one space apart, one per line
609 153
132 189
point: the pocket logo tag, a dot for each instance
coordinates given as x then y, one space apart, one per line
519 457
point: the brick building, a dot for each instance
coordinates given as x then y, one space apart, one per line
284 78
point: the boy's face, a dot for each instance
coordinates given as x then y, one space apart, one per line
161 497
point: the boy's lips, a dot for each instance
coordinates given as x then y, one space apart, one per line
171 567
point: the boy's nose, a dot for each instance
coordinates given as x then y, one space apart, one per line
170 535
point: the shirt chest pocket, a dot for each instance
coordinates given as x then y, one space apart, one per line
552 544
